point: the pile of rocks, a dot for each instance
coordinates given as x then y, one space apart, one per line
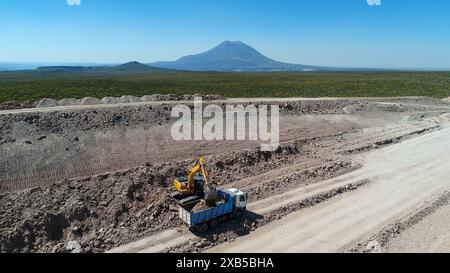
48 102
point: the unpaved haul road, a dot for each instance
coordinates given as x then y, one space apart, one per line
404 177
229 100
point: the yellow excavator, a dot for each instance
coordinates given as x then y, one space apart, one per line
195 186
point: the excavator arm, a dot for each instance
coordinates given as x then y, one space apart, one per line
199 167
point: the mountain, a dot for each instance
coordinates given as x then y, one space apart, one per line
134 67
232 56
128 67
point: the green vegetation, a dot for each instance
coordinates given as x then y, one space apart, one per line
32 86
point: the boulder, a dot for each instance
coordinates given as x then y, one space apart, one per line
373 247
73 247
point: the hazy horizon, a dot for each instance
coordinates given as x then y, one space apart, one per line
335 33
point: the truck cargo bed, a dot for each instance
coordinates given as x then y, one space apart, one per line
192 219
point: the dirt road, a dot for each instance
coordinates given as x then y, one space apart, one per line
156 103
404 177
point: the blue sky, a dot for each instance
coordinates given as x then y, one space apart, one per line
398 33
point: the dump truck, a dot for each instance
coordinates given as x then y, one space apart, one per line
231 204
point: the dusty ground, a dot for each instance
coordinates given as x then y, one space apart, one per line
432 234
333 150
401 177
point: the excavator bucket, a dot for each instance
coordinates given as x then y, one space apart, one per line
211 198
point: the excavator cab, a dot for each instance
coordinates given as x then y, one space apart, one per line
182 185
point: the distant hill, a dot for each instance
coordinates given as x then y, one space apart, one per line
128 67
232 56
16 66
135 67
63 68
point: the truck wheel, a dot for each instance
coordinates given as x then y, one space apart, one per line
213 224
223 218
202 228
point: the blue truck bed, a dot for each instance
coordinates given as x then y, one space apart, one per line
192 219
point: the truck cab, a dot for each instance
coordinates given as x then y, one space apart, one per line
241 199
